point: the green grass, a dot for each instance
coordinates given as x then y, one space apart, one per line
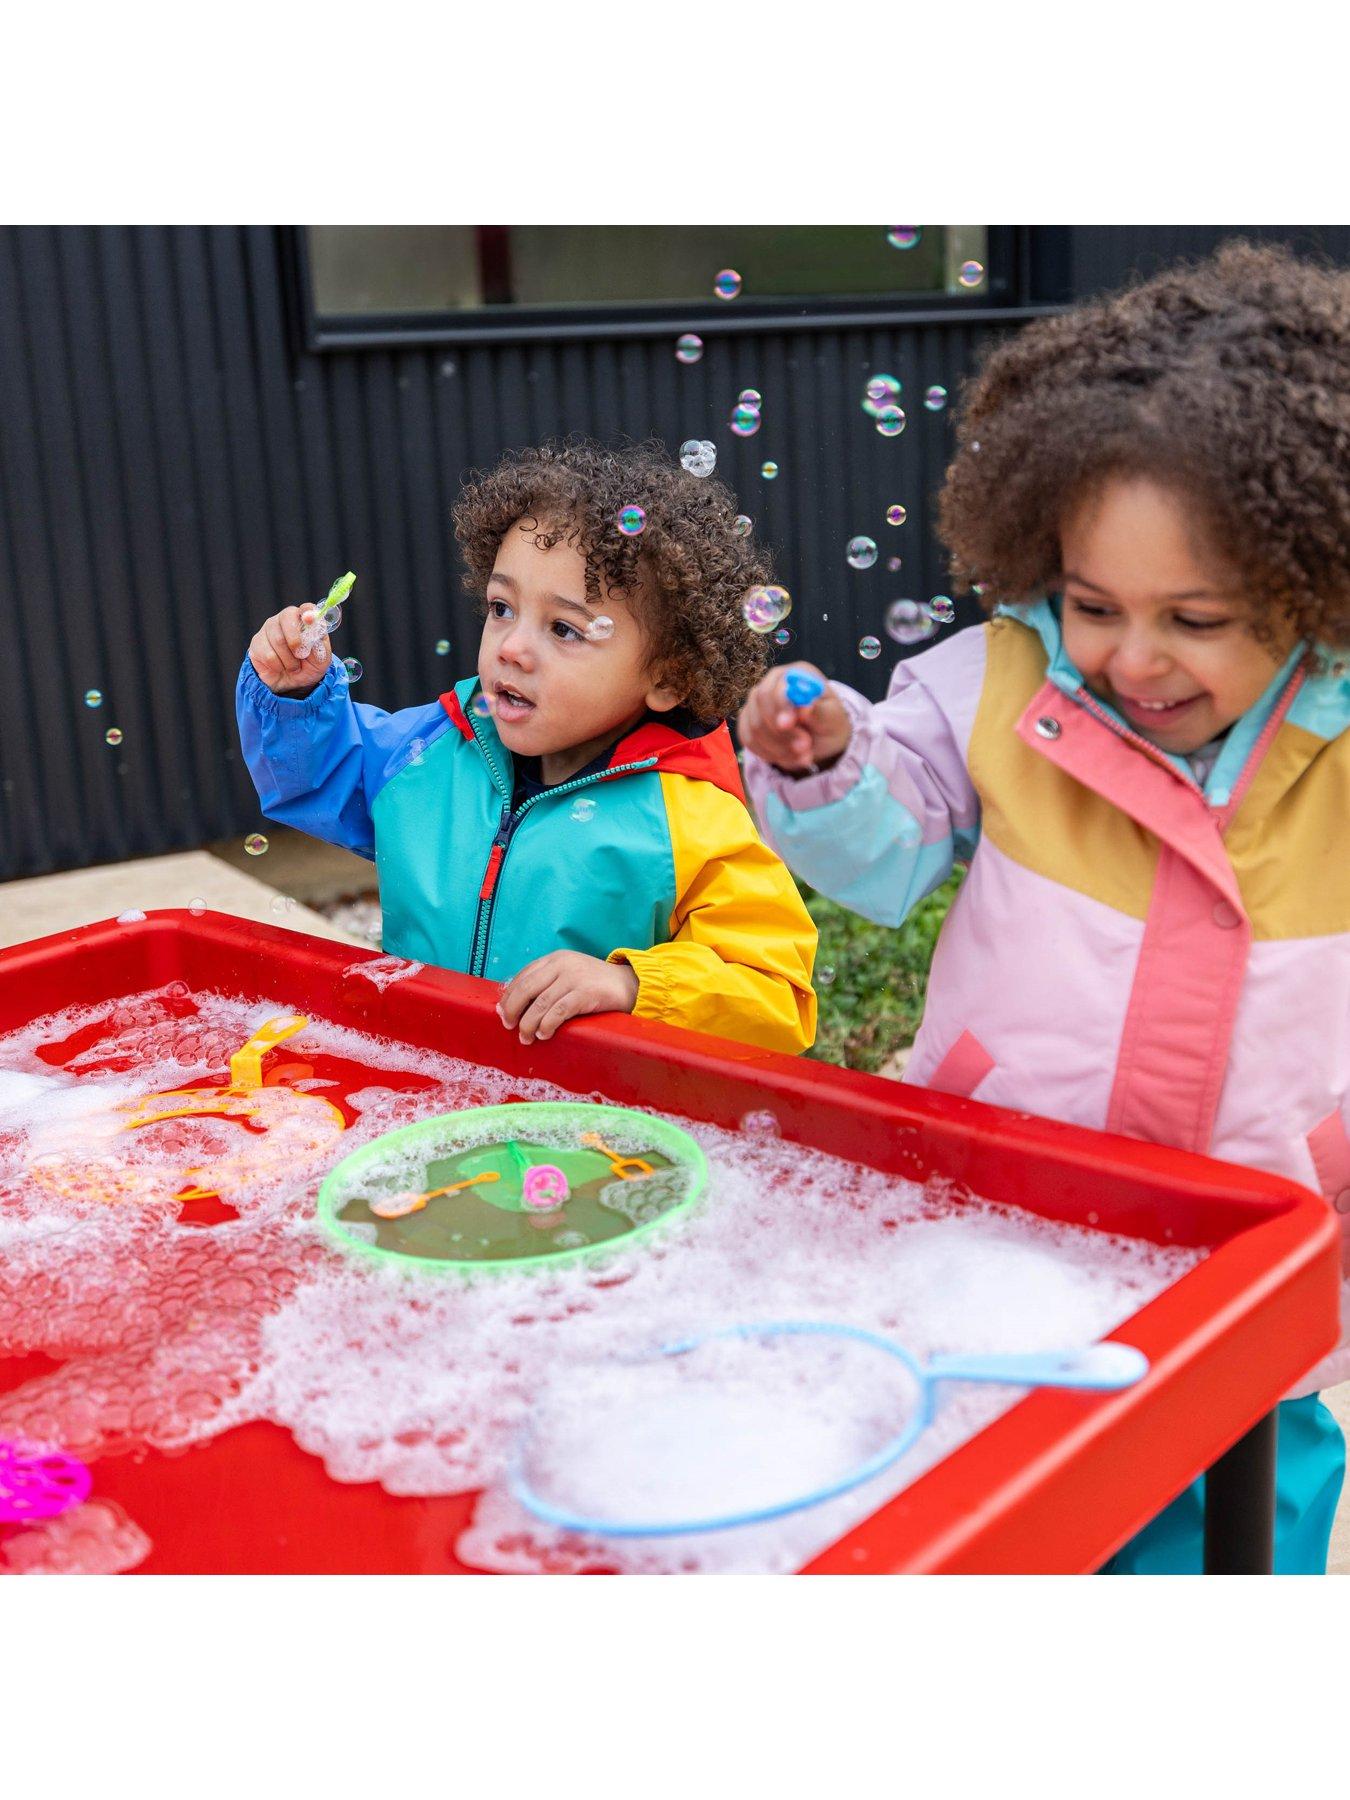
872 1006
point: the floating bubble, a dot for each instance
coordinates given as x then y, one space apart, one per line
255 843
861 552
689 347
908 623
782 635
825 975
632 520
935 399
353 669
941 608
92 697
766 607
416 747
881 390
600 629
751 397
980 587
745 420
896 515
903 237
197 906
112 736
480 704
332 620
890 421
970 274
583 809
282 904
727 285
442 646
742 526
132 916
869 648
698 456
893 563
769 471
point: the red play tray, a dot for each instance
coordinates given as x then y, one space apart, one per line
1057 1483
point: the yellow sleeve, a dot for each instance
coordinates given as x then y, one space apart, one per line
742 944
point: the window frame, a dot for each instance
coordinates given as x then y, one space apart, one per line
1005 292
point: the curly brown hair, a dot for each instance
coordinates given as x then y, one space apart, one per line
685 576
1227 380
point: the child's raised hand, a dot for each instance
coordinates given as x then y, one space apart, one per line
564 985
278 656
795 738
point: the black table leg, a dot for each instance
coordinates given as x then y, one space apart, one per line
1240 1505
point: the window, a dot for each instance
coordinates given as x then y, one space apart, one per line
386 283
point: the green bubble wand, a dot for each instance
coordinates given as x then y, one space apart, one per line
327 617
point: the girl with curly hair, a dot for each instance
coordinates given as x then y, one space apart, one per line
1143 756
570 820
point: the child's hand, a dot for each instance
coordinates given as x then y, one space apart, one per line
794 738
277 656
563 985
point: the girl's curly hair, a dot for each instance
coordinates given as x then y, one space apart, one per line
1227 380
685 576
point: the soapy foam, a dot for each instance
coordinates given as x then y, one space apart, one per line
169 1335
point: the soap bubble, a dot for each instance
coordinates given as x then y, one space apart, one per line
890 421
896 515
935 399
255 843
417 746
861 552
769 471
689 347
600 629
727 285
353 669
782 635
583 809
93 697
632 520
745 420
825 975
869 648
698 456
197 906
481 705
980 587
112 736
881 390
442 646
940 607
903 237
751 397
761 1124
742 526
894 564
282 904
132 916
970 274
766 607
332 620
908 623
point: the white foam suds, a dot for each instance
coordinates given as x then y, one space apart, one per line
168 1335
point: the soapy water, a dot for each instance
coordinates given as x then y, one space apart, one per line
169 1329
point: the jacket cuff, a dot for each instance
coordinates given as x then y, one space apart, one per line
281 706
653 995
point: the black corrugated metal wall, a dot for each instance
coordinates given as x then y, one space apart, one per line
172 470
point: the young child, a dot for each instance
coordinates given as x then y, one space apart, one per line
1143 756
570 821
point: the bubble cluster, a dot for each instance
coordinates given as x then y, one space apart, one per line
93 697
861 552
881 390
869 648
935 398
941 608
766 607
769 471
970 274
903 237
600 629
896 515
256 844
908 623
113 736
688 347
698 456
442 646
890 421
742 525
632 520
727 284
745 419
583 809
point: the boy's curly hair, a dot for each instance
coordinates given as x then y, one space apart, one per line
685 576
1228 380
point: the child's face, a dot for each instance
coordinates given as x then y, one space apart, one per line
1151 615
557 693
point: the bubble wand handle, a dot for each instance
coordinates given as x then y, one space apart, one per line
317 628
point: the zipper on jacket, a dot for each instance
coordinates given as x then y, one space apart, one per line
487 893
1132 737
